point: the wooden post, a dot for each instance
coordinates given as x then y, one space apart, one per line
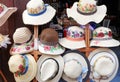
5 80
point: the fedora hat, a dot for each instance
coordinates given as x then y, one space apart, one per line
102 37
38 13
86 11
76 68
49 42
24 67
23 41
75 36
104 65
5 13
50 68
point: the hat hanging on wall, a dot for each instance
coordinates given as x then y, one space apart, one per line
38 13
104 65
23 41
5 13
49 42
50 68
86 11
24 67
102 37
76 68
75 38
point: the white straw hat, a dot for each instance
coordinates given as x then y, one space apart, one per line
104 65
86 11
23 67
50 68
74 39
102 37
76 68
38 13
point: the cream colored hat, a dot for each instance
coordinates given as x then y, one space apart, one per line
104 65
76 68
74 39
50 68
102 37
38 13
5 13
86 11
23 67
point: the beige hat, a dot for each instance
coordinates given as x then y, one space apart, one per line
50 68
104 65
76 68
23 41
23 67
38 13
102 37
5 13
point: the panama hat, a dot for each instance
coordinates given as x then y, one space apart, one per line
23 67
49 42
23 41
5 13
102 37
50 68
74 39
38 13
104 65
76 68
86 11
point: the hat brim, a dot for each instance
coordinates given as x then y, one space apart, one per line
99 53
60 61
105 43
74 54
40 19
30 74
85 19
72 44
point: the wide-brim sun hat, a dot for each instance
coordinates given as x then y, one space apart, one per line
76 68
85 19
38 13
44 68
24 67
5 13
104 65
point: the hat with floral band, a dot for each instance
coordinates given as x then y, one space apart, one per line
104 65
38 13
24 67
23 41
50 68
75 60
102 37
75 36
86 11
49 42
5 13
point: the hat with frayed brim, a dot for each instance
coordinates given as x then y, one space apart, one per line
104 65
6 13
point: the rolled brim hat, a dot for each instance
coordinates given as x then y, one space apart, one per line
85 19
6 13
104 65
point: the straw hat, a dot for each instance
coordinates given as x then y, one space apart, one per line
102 37
75 36
5 13
104 65
86 11
76 67
49 42
50 68
38 13
23 67
23 41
